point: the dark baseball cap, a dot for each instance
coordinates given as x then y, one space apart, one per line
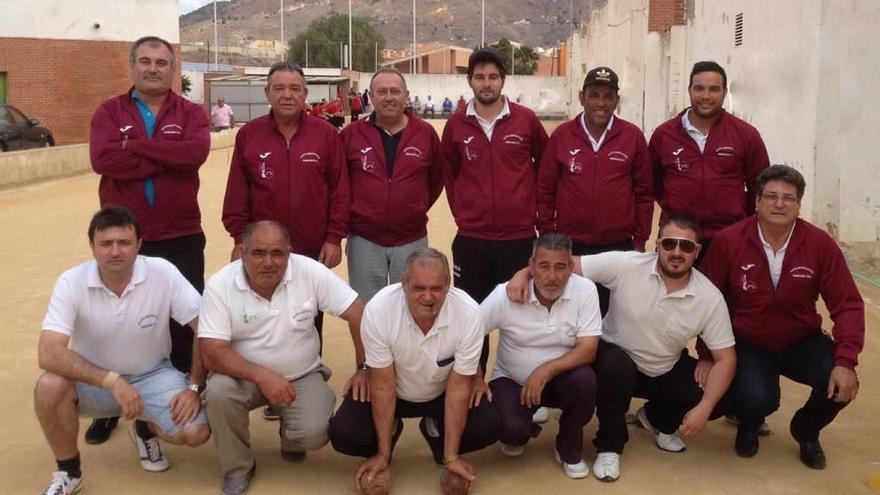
601 75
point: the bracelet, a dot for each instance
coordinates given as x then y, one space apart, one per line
109 379
447 460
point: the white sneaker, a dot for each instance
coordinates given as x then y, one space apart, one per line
62 484
574 471
541 416
607 466
149 451
669 442
512 450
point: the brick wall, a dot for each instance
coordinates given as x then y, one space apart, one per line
62 82
663 14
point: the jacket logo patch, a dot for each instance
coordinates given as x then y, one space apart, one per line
681 166
748 285
801 272
366 150
171 129
125 129
412 151
265 155
725 151
513 139
467 150
748 267
618 156
266 171
310 157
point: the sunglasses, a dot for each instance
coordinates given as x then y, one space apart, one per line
687 246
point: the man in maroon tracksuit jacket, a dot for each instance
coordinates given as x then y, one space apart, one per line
705 160
491 152
594 182
395 177
771 268
147 145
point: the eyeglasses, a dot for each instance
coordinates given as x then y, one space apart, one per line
687 246
787 199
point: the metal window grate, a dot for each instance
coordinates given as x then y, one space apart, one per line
738 30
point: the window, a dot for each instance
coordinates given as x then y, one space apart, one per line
2 87
738 30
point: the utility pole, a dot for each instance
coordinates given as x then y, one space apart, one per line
415 68
281 12
216 45
483 24
350 45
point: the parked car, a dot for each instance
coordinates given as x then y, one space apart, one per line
18 132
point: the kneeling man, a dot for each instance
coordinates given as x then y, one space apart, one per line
114 313
259 340
544 353
423 340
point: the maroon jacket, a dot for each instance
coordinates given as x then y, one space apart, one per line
392 211
491 185
301 184
179 146
717 187
597 198
774 319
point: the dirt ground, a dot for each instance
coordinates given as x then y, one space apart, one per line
44 229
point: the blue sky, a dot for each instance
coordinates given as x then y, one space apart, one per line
186 6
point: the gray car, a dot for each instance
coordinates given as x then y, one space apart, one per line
18 132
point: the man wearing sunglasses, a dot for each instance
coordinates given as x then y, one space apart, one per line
658 303
771 268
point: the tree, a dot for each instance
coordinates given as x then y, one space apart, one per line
324 36
185 84
525 58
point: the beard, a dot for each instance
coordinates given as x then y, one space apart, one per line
487 100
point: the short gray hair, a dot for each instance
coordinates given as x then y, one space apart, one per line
388 70
554 241
427 256
152 41
252 227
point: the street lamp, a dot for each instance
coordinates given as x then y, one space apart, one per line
483 24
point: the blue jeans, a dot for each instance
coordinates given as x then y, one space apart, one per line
756 385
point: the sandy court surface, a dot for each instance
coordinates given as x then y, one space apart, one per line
44 229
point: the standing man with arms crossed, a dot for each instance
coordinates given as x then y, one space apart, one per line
148 145
705 159
422 342
491 153
222 116
594 182
105 350
395 175
771 268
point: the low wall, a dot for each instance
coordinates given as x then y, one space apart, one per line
22 167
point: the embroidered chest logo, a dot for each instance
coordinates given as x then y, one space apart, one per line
366 164
265 171
310 157
618 156
171 129
412 151
725 151
513 139
747 284
573 165
247 318
801 272
126 128
681 166
467 150
147 322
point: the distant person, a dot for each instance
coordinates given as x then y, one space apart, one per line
355 105
447 107
461 105
222 116
417 105
104 348
705 159
148 145
395 177
335 114
429 108
365 99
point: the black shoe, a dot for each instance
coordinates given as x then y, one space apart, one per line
272 413
100 429
746 441
293 455
812 454
434 442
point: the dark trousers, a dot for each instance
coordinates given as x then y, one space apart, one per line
479 265
756 390
670 395
578 249
573 391
352 431
188 255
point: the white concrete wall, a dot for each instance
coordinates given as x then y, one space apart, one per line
197 89
119 20
547 96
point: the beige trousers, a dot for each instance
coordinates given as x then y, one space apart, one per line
303 423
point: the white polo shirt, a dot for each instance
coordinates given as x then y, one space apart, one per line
127 334
651 326
422 362
531 335
278 334
487 126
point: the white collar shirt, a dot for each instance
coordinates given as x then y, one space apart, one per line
593 142
530 334
775 258
649 324
422 361
487 126
693 132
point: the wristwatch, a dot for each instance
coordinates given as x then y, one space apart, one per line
195 387
363 366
